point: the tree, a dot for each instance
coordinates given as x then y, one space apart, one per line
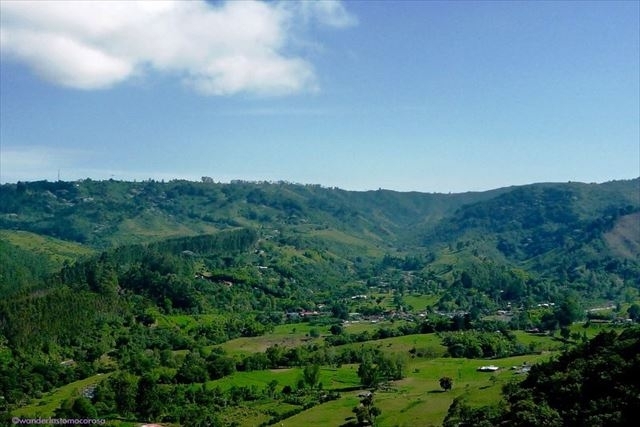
82 408
275 355
568 310
76 408
147 399
340 311
193 369
336 329
124 386
526 413
271 388
220 366
446 383
374 411
366 412
634 312
368 372
378 367
311 375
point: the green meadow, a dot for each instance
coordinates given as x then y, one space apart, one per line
55 251
47 404
420 302
418 400
415 400
331 378
288 335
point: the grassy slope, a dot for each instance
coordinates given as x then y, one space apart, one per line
624 238
415 400
290 335
55 250
418 400
155 225
331 378
45 406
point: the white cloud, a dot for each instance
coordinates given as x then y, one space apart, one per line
237 46
328 12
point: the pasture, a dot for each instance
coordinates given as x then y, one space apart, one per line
418 400
331 378
288 335
46 405
419 302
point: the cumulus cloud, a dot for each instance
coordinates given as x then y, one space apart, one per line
221 49
330 13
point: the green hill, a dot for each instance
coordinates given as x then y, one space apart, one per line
108 213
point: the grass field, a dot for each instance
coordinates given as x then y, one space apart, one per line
593 328
55 250
418 400
152 225
403 344
420 302
187 321
331 378
45 406
539 342
358 326
289 335
348 241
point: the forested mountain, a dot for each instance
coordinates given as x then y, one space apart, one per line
517 240
107 213
101 213
127 276
574 233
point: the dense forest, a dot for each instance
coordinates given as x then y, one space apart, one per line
137 287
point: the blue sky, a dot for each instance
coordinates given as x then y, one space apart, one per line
410 96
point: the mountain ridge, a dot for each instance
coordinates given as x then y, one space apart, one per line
87 211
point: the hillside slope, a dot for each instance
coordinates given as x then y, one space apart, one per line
571 234
108 213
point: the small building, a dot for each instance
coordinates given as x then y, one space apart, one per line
488 368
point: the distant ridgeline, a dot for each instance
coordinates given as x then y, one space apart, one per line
112 213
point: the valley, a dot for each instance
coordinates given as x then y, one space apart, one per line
261 303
